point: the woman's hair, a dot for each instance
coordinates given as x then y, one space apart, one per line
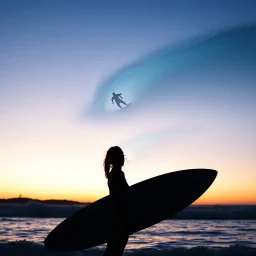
114 157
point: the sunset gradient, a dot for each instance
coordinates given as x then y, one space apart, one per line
58 63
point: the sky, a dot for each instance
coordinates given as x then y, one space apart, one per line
187 67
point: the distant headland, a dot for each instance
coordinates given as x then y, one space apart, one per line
24 200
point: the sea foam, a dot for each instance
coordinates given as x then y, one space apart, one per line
29 248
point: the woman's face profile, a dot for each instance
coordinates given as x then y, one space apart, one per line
122 161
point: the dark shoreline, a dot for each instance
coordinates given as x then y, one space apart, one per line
25 200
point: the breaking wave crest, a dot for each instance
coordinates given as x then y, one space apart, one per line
30 248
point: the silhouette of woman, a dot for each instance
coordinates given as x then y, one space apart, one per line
116 183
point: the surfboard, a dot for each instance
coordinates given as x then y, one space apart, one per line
126 106
145 204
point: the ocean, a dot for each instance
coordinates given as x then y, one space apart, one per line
197 230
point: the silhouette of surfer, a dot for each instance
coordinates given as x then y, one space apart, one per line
118 99
117 183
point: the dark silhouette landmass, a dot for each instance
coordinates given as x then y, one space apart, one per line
24 200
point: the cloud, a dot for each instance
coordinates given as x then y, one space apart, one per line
168 74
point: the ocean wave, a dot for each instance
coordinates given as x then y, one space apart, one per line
224 212
30 248
41 210
37 209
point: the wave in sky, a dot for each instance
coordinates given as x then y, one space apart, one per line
176 71
35 209
184 91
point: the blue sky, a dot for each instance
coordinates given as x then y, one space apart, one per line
82 42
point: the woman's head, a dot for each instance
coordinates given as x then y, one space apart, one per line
114 158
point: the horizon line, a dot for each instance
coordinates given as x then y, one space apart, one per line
89 202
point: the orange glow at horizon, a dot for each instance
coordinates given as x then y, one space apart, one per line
64 162
227 199
209 198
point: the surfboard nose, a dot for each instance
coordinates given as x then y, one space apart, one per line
213 173
202 178
208 173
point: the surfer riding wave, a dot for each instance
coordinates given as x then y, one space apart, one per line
118 100
117 183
